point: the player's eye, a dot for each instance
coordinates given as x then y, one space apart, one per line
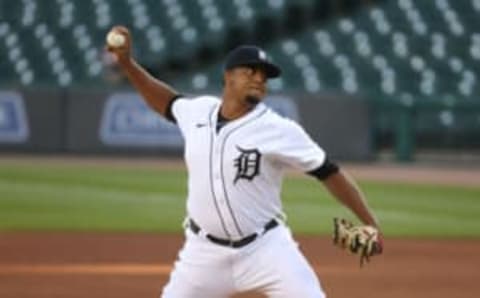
249 71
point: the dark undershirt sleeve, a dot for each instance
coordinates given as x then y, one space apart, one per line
327 169
168 113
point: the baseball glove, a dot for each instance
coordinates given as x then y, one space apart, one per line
364 241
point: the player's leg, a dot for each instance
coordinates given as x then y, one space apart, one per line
276 267
200 271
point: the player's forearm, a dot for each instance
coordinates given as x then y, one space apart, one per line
156 93
348 193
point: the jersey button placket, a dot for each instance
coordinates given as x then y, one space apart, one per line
219 187
217 176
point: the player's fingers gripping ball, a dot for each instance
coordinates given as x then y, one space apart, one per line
118 43
115 39
362 240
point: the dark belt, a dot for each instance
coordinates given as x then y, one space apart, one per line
231 243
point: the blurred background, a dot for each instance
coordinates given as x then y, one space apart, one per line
370 80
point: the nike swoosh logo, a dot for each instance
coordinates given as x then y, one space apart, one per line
199 125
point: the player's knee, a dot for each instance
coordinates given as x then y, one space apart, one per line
308 287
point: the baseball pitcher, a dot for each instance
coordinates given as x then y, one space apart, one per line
236 152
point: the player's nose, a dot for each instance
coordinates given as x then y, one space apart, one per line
259 75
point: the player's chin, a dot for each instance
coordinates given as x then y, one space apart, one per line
257 93
253 99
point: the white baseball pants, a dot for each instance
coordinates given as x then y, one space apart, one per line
272 265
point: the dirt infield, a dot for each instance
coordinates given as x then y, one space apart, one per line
75 265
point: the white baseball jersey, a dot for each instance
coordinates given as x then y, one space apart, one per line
235 173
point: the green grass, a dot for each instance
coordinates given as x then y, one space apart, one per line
99 198
403 209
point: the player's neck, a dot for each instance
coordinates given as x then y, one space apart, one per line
232 108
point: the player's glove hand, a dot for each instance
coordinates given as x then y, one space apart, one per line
365 241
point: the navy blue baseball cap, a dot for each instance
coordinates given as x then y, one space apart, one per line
248 55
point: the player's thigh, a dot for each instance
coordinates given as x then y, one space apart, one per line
198 272
292 274
294 279
181 285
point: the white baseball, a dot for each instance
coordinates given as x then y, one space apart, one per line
115 39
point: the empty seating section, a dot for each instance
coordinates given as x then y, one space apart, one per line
393 48
397 48
60 42
406 46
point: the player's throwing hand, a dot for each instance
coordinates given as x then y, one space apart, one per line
118 42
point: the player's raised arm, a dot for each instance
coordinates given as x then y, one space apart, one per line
155 92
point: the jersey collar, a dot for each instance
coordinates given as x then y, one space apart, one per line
257 111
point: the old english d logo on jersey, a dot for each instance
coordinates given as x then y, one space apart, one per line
247 164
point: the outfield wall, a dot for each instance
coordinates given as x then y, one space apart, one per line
103 122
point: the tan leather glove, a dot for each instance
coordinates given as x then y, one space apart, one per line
365 241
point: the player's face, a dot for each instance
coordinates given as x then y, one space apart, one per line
247 82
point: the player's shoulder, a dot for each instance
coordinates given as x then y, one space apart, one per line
277 121
194 104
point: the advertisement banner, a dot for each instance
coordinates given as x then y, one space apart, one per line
13 120
128 121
